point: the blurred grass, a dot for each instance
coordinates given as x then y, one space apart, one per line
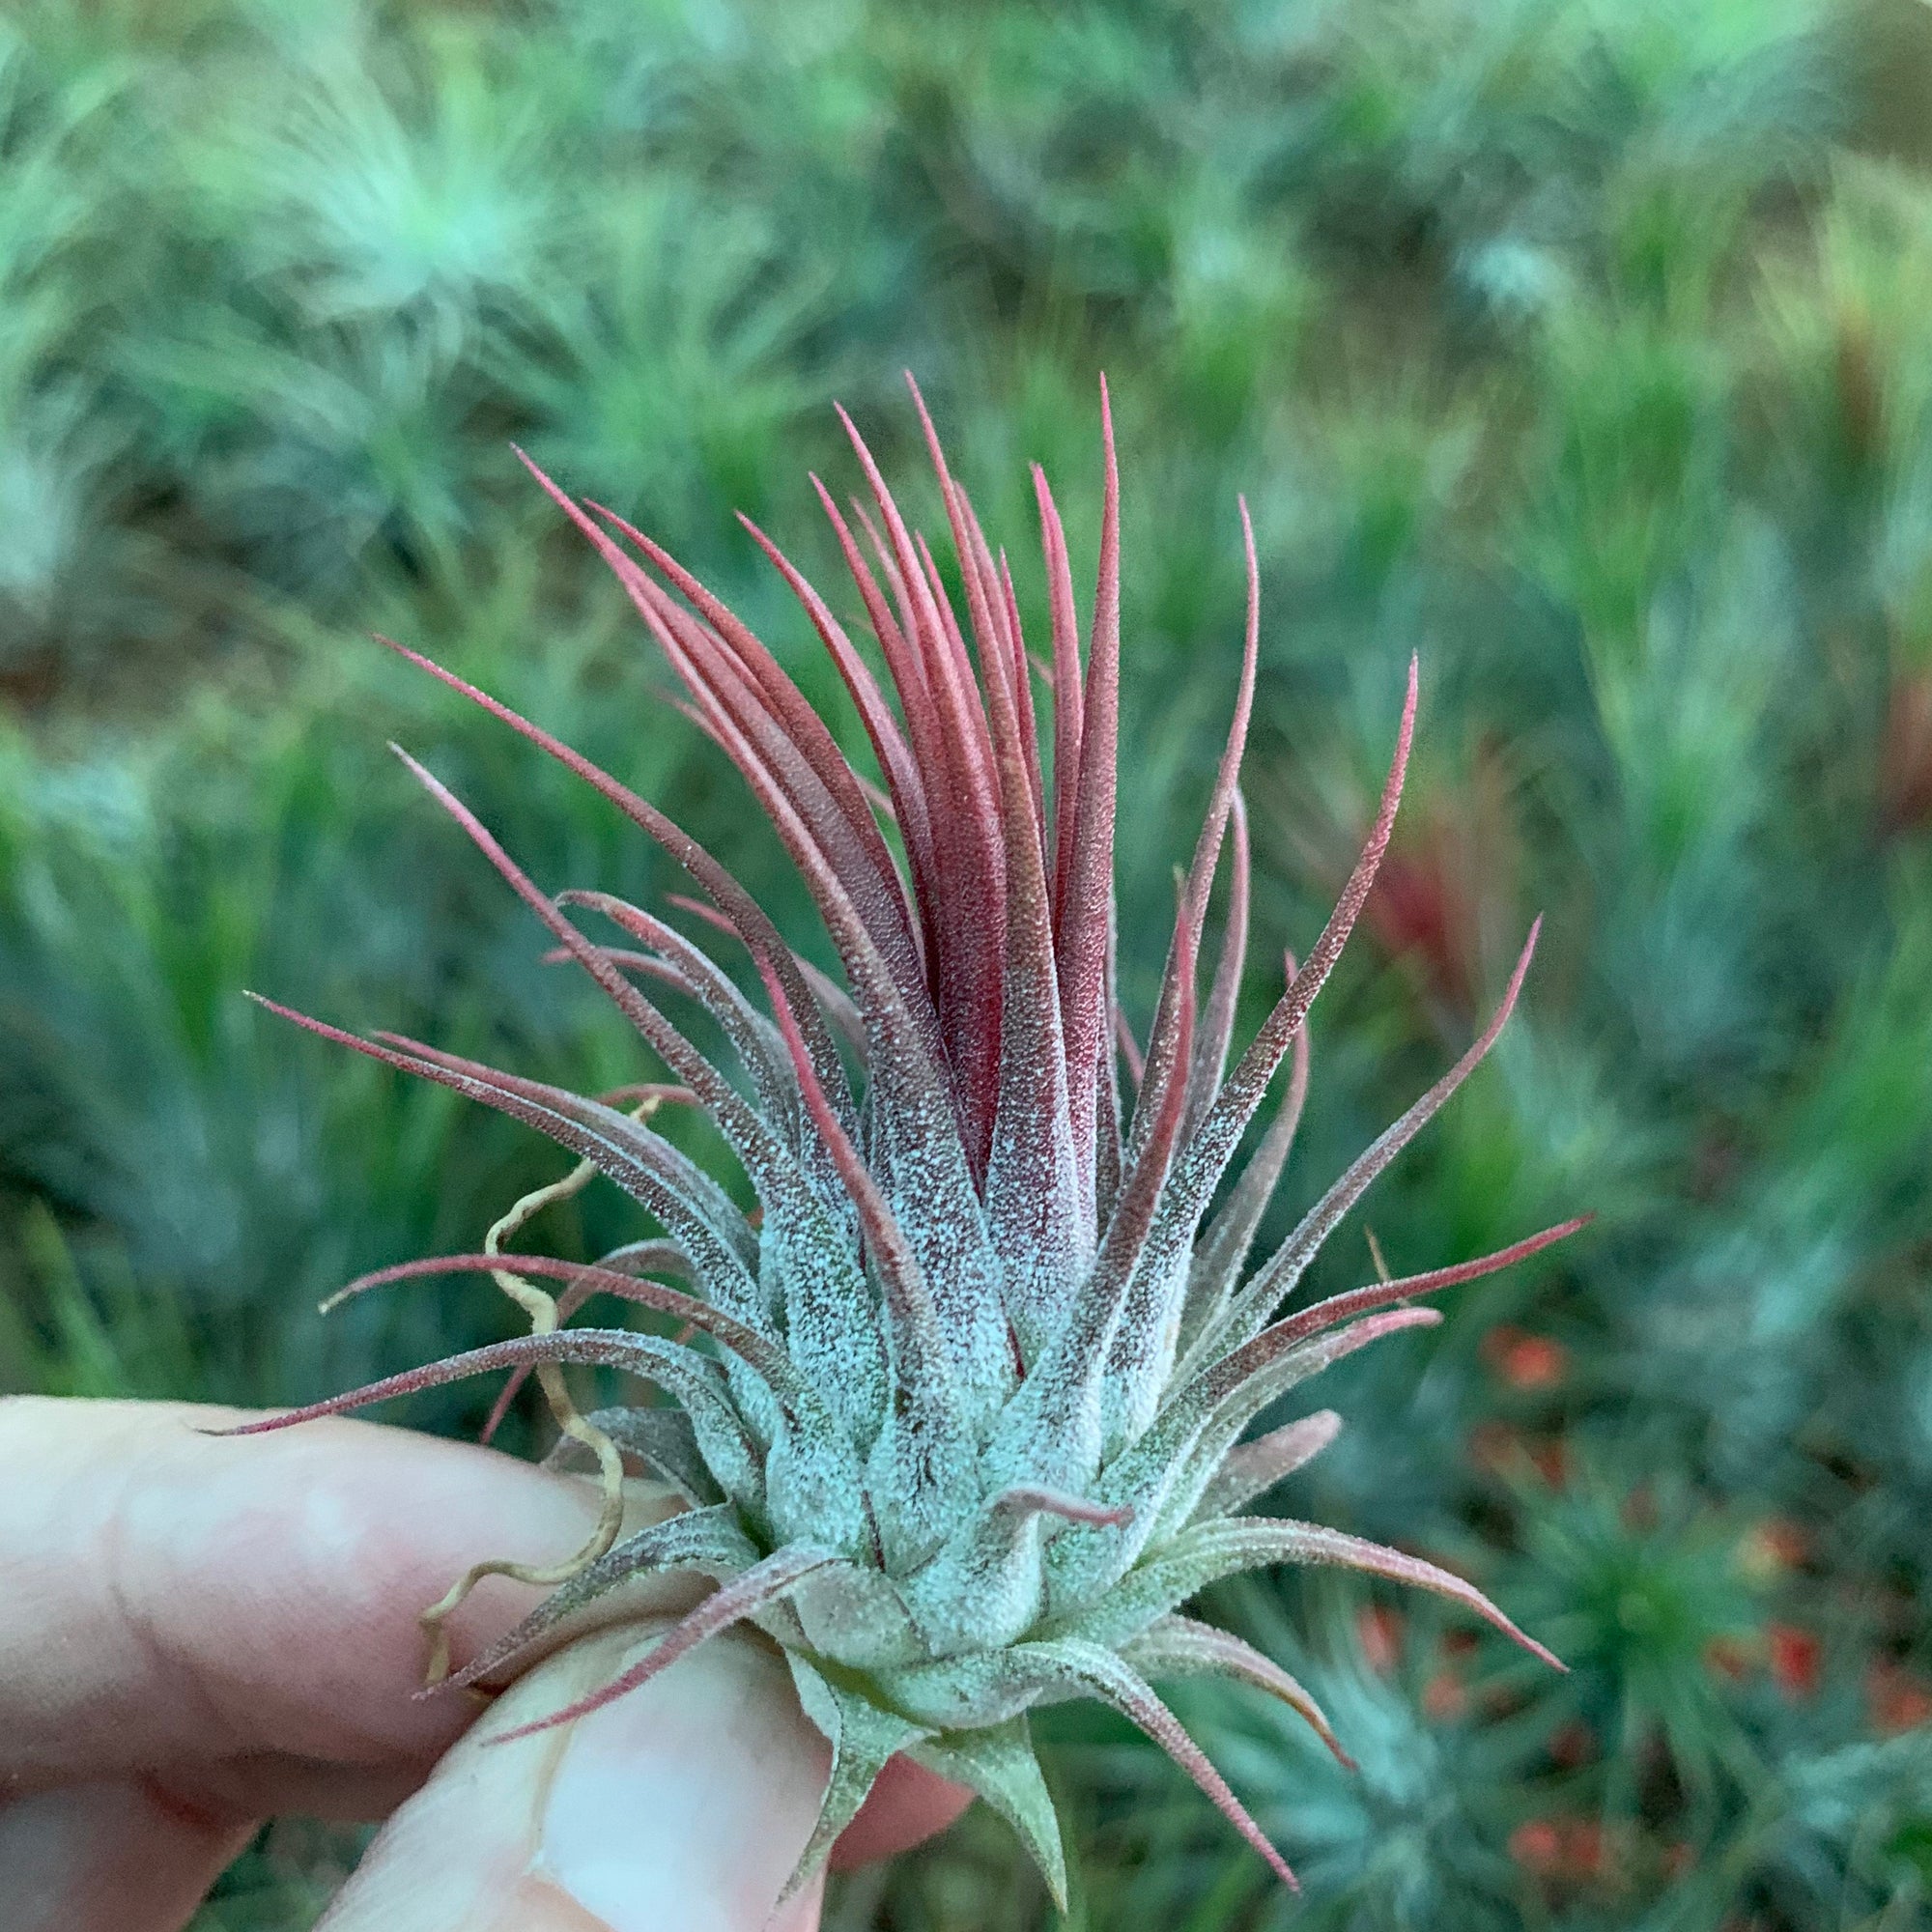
1582 345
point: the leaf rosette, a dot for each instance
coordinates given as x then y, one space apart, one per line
961 1419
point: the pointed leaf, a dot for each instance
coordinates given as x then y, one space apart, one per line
755 1351
1231 1545
708 1541
864 1738
999 1764
662 1439
1116 1683
1214 1270
735 903
1201 1163
1084 901
744 1595
647 1167
1254 1466
1250 1308
1177 1647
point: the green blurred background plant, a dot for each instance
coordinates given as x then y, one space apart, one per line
1585 345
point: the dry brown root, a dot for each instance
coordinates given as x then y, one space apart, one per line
542 1310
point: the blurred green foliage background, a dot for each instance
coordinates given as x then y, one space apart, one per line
1583 345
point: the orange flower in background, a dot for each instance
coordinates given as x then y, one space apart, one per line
1796 1656
1571 1744
1445 1697
1583 1848
1378 1630
1898 1699
1561 1850
1772 1549
1537 1845
1525 1361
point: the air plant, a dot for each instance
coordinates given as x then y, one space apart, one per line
958 1419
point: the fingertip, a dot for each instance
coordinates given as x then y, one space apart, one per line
116 1852
178 1594
908 1806
685 1804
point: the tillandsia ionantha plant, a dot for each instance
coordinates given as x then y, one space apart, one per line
958 1417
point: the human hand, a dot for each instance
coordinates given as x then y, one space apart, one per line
197 1634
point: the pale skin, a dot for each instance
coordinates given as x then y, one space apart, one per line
199 1633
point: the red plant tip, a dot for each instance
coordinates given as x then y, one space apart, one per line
1898 1700
1525 1361
1379 1630
1536 1844
1572 1850
1797 1658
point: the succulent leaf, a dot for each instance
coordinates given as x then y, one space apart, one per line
1107 1676
1250 1467
1221 1253
1211 1551
1174 1646
998 1763
863 1738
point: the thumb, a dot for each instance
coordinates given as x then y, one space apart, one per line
685 1803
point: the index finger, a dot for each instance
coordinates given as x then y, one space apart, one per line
174 1597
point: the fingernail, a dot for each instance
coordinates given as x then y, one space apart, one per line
686 1802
